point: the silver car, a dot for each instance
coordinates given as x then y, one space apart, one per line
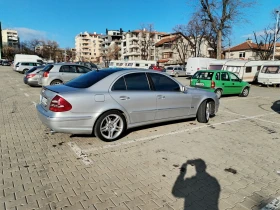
31 76
176 71
108 102
59 73
22 67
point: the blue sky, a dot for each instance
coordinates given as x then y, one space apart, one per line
62 20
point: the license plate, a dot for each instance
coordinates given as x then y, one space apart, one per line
199 84
44 101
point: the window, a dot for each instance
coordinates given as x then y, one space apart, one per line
203 75
215 67
82 69
233 77
119 85
167 55
68 69
137 64
270 69
217 77
242 55
163 83
259 68
224 76
136 81
248 70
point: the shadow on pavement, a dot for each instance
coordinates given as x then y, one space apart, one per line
201 191
276 106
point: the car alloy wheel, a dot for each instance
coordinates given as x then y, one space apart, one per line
110 126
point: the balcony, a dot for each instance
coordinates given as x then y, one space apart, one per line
134 38
133 53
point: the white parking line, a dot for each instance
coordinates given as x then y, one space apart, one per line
172 133
26 94
80 154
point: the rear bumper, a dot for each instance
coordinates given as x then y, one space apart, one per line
69 124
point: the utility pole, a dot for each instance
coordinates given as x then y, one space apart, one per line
275 35
1 46
64 55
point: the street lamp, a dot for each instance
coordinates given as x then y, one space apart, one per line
276 29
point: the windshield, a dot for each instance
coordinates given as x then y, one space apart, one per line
203 75
89 79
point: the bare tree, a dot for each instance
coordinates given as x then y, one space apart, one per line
146 41
113 53
221 14
9 52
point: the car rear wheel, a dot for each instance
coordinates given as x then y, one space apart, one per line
176 75
24 70
219 93
204 112
56 82
110 126
245 92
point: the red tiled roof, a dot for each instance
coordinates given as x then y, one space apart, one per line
250 46
165 40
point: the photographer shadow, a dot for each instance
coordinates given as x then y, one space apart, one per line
201 191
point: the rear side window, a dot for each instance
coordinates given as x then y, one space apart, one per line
119 85
137 81
169 68
68 69
224 76
203 75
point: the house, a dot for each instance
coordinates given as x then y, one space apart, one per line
250 51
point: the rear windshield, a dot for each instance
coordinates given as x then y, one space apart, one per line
31 70
215 67
47 68
203 75
89 79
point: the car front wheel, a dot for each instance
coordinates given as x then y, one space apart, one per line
204 112
245 92
110 126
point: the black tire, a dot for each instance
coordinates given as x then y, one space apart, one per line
204 112
176 75
245 92
56 82
110 126
219 93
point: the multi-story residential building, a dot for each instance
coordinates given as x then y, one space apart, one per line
88 47
139 44
175 48
10 38
111 46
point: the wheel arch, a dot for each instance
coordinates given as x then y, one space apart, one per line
57 80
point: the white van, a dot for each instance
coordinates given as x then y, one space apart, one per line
141 64
270 73
246 70
195 64
26 58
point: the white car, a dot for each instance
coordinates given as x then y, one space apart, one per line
176 71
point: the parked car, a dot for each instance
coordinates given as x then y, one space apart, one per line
88 64
22 67
221 82
31 76
6 63
176 71
59 73
110 101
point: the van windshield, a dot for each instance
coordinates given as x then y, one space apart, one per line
203 75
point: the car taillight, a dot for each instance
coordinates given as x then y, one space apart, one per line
30 75
212 84
59 104
198 69
46 74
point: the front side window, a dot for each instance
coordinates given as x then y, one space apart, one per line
137 82
233 77
163 83
224 76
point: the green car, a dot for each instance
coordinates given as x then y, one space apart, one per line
221 82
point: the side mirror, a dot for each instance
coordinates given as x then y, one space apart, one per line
183 88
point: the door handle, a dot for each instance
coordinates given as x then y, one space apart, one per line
223 83
233 83
161 97
123 98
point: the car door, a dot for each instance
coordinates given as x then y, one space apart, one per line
67 73
171 101
133 93
226 83
236 83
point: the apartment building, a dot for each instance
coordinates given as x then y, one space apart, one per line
111 46
175 49
10 38
139 44
88 47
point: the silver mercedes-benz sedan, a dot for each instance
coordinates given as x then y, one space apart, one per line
108 102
